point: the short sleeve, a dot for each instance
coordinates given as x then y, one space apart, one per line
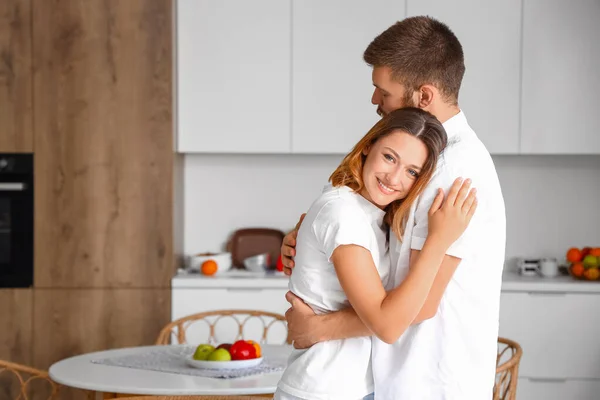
444 178
342 223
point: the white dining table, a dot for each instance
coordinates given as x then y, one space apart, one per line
80 372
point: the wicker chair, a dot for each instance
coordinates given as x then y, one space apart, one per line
507 369
175 331
28 380
25 375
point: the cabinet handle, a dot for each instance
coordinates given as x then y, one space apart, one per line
244 290
548 380
548 294
12 186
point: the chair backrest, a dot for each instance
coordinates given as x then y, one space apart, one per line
176 331
507 369
25 380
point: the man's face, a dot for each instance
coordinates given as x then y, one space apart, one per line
388 94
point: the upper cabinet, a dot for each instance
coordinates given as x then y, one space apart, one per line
16 118
489 93
234 76
331 85
561 78
287 76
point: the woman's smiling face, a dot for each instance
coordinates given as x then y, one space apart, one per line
391 168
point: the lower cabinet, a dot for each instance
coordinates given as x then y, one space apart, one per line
188 301
558 333
550 389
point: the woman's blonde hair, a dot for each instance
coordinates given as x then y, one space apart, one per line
413 121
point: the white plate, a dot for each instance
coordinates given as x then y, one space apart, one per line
238 364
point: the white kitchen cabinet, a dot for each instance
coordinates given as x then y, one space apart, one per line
561 58
194 294
332 87
233 64
490 33
549 389
557 331
555 320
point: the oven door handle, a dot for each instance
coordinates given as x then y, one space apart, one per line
12 186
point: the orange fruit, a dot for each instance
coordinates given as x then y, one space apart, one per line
595 252
592 274
577 269
209 267
574 255
256 346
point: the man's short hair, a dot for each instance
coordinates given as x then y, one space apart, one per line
420 50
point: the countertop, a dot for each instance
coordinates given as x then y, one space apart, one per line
511 282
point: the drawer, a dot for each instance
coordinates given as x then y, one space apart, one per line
534 389
190 301
558 333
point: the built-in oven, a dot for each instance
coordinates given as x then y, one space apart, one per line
16 220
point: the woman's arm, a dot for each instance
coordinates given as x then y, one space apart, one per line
388 315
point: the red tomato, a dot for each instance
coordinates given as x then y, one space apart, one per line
279 265
242 350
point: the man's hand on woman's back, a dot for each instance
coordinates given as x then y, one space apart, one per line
288 247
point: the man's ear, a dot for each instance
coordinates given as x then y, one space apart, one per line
426 95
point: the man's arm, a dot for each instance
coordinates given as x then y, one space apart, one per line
306 328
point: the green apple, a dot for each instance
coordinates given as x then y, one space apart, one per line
590 261
219 355
202 351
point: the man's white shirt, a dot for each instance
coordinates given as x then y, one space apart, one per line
451 356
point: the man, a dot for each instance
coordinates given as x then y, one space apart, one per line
449 352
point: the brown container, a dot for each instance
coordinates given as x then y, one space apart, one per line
252 241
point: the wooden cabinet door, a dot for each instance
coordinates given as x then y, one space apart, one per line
103 141
16 310
561 58
70 322
490 90
332 87
15 77
233 76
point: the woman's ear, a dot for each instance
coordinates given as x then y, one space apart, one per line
366 150
426 95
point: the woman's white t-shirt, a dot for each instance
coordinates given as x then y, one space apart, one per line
337 369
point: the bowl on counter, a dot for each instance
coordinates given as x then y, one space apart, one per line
259 263
223 261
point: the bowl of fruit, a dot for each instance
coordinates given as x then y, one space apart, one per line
584 263
241 354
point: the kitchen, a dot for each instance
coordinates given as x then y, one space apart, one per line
97 116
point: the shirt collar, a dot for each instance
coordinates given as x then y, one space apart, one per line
371 209
455 125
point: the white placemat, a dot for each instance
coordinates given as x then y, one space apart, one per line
171 359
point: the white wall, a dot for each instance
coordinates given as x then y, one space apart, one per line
552 202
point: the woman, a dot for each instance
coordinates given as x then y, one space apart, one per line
342 254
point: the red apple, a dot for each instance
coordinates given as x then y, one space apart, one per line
226 346
585 251
242 350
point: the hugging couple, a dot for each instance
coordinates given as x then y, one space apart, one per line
396 267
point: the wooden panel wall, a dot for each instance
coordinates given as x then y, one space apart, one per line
87 86
15 77
16 311
103 143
